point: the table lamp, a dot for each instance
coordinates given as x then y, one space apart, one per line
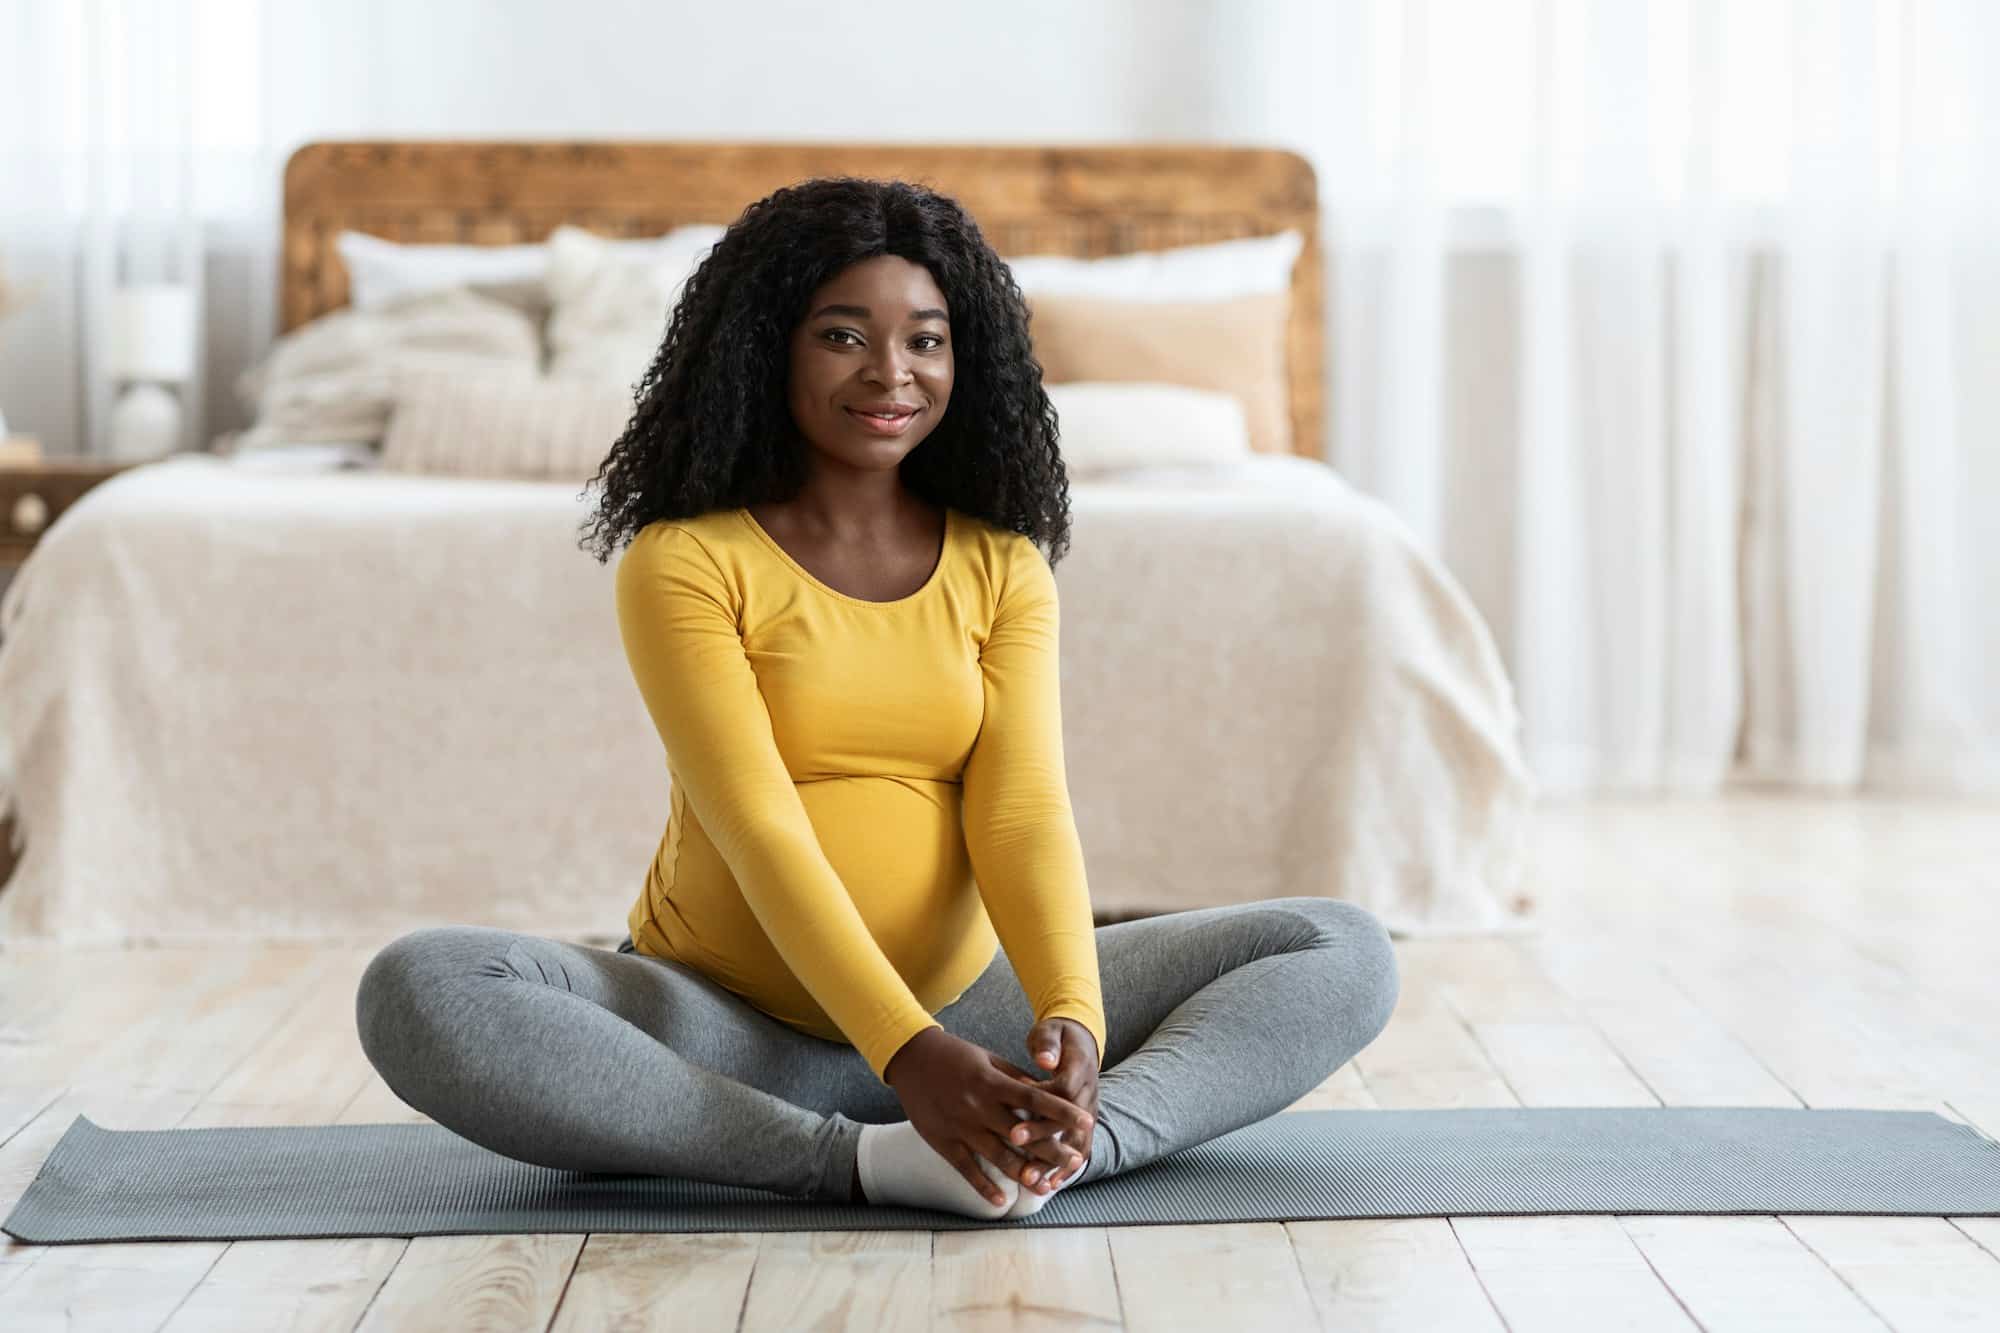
152 348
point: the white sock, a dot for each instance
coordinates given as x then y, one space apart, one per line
897 1166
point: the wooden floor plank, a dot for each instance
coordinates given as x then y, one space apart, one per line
257 1285
850 1281
226 1009
1835 1037
308 1066
1391 1275
100 996
1671 1043
1917 1273
638 1282
1023 1281
1243 1277
510 1281
107 1286
1747 1273
1568 1272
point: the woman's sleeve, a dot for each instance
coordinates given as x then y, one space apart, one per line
677 616
1019 829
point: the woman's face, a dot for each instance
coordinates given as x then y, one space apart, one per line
876 339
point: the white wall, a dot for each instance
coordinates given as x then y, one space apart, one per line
1041 70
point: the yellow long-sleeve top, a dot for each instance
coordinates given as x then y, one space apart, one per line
866 798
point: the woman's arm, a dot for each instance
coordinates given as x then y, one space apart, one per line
1019 828
678 621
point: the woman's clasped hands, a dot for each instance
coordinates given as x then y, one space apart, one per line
967 1102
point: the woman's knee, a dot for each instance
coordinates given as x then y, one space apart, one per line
1360 954
390 998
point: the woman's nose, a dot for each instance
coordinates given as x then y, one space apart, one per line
889 366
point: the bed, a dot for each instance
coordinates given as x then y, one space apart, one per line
337 702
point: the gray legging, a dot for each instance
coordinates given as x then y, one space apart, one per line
585 1059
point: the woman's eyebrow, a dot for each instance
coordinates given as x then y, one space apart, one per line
863 312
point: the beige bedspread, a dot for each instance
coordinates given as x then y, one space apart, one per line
346 704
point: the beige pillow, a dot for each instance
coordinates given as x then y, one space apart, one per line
333 379
480 423
1234 346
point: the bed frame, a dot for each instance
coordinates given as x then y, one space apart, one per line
1084 200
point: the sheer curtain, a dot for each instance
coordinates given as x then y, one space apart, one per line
132 149
1672 329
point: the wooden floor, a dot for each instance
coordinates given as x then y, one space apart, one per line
1754 951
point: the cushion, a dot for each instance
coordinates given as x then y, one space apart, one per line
379 270
473 422
1211 272
334 378
1110 427
611 303
1234 346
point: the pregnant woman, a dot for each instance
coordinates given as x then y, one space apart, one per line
830 497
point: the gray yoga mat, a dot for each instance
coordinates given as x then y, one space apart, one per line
423 1180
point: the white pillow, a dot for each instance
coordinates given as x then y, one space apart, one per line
1218 271
611 303
1111 426
380 270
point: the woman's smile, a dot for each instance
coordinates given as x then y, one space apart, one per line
887 420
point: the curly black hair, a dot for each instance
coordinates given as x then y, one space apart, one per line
712 429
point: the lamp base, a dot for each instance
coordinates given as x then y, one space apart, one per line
145 423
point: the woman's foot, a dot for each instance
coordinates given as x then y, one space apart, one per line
893 1164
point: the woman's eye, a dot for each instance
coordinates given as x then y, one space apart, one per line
930 341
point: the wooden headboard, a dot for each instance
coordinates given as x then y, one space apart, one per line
1084 200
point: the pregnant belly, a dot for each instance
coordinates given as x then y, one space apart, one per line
897 846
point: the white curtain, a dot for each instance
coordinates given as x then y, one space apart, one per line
1673 328
133 149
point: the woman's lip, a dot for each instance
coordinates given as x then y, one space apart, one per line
878 426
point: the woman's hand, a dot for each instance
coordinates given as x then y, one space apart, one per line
1066 1048
961 1099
